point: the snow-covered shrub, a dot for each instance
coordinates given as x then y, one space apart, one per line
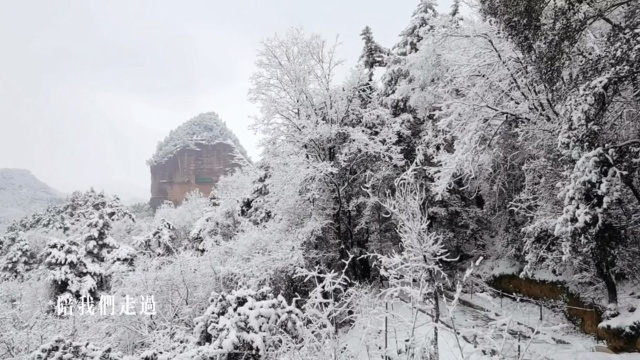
162 241
77 263
18 258
21 245
222 218
182 217
60 348
181 286
622 332
141 210
216 226
247 324
122 258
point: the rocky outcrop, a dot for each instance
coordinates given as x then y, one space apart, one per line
622 333
193 157
189 169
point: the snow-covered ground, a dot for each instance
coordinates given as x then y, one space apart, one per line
594 356
555 335
404 324
508 327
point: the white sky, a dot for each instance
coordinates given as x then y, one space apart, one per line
88 88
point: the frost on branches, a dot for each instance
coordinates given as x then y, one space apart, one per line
586 225
415 272
247 324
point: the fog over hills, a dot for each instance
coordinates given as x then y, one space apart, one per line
21 194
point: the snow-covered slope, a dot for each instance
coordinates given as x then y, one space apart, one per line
21 194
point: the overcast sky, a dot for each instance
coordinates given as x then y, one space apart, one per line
88 88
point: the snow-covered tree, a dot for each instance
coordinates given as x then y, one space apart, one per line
182 217
161 241
416 271
247 324
343 145
18 258
373 55
583 58
420 22
77 262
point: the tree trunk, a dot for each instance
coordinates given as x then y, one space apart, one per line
435 355
608 239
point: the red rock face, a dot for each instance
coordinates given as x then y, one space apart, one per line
190 169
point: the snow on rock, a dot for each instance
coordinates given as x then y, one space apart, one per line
205 128
623 331
21 194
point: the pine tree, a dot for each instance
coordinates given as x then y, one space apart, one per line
455 9
421 21
398 82
77 263
18 258
373 55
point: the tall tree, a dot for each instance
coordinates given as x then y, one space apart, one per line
373 55
77 262
343 143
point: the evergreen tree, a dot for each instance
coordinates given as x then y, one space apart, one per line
421 22
373 55
18 258
77 262
455 9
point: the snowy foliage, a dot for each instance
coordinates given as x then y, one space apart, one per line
60 348
247 324
76 261
162 241
220 220
18 257
183 217
511 134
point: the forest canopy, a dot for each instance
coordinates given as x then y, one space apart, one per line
500 132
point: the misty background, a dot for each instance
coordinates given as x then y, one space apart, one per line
88 88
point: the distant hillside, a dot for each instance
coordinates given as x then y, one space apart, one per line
21 194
